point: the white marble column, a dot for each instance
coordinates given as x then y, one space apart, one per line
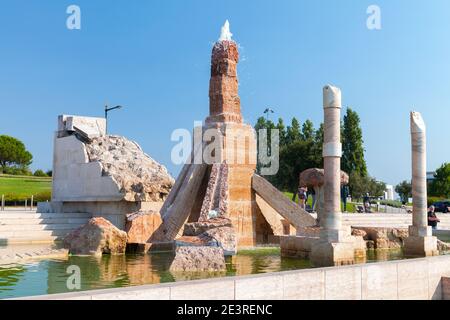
419 173
420 241
335 246
332 152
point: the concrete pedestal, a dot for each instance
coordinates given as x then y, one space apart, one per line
324 253
325 248
420 243
337 247
421 247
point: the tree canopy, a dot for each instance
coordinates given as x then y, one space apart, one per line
360 185
301 148
13 153
440 187
352 145
404 190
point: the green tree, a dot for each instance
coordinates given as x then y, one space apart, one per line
308 130
294 158
293 132
282 130
404 190
13 153
376 188
440 187
40 173
318 135
360 185
260 124
317 146
352 145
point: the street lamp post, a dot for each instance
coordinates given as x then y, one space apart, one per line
106 114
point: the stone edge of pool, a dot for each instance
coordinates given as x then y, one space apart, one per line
411 279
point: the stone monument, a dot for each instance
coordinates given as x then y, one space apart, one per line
420 241
222 201
105 175
314 178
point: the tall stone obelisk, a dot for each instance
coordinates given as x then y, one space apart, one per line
238 140
335 246
224 101
420 241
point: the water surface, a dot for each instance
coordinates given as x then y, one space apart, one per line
50 276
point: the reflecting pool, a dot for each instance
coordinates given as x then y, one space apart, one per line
51 276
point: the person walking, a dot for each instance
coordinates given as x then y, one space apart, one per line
302 196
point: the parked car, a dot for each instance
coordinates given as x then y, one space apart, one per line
442 206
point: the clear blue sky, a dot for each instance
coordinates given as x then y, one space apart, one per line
153 57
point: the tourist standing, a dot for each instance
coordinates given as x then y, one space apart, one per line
313 196
432 218
345 192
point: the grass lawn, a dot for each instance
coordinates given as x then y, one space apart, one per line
19 188
350 206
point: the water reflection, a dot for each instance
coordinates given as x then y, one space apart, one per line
50 276
9 276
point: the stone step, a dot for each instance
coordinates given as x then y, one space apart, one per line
377 222
376 219
378 216
33 215
49 221
37 227
32 233
29 240
20 226
356 215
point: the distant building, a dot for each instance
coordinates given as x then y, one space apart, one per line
389 193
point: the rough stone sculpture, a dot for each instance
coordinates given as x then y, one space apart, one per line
138 176
389 238
443 246
198 259
103 175
314 178
420 241
382 238
97 237
141 225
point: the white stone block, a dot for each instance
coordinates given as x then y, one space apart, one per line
343 283
306 285
413 280
140 293
438 267
91 127
203 290
379 281
267 287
